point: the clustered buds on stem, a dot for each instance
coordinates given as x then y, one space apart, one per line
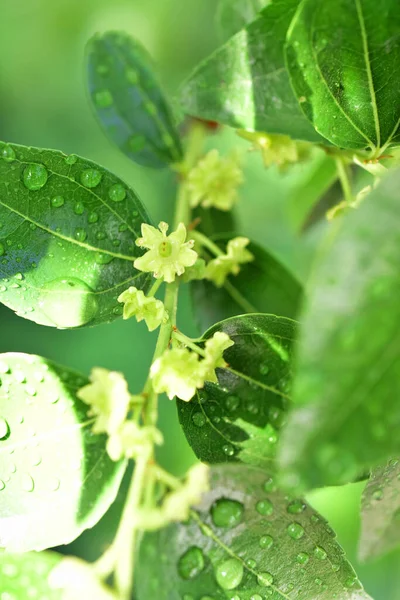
149 309
276 149
219 268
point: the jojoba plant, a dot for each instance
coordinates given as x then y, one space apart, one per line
272 407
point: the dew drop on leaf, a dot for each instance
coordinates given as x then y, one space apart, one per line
103 98
117 192
199 419
191 563
4 429
269 485
68 302
302 558
57 201
227 513
264 507
79 208
91 178
295 530
93 217
137 143
232 403
28 485
103 259
80 234
320 553
266 541
35 176
7 153
296 507
2 485
71 159
227 448
265 579
229 574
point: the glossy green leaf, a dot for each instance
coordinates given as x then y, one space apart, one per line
238 419
129 102
263 285
346 413
233 15
246 540
245 84
380 512
56 479
67 238
48 576
343 58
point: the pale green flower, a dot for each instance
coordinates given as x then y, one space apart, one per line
136 304
132 440
276 149
75 578
177 504
167 256
214 350
177 373
214 181
196 272
219 268
108 398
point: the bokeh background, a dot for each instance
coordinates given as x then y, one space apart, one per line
43 102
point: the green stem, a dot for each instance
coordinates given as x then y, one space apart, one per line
239 298
154 288
184 339
344 179
204 241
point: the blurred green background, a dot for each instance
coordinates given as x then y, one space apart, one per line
43 102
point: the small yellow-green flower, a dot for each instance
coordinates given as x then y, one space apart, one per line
177 373
214 181
177 504
196 272
132 440
136 304
74 578
108 398
214 350
219 268
167 256
277 149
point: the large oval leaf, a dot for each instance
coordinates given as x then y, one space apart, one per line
346 409
238 418
380 512
67 238
49 576
245 84
343 59
129 102
233 15
263 285
246 541
55 476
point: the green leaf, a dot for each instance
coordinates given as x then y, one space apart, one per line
245 84
263 285
67 238
56 479
343 59
129 102
246 540
380 512
346 413
50 576
238 419
233 15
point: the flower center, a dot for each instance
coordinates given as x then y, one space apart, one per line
165 249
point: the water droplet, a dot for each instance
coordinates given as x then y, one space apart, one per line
276 416
117 192
71 159
80 234
4 429
302 558
7 153
79 208
28 485
199 419
227 513
103 98
295 530
191 563
2 485
296 507
91 178
103 259
256 597
264 507
93 217
232 403
68 302
57 201
54 484
266 541
132 76
270 485
265 579
264 369
377 494
229 574
320 553
35 176
228 449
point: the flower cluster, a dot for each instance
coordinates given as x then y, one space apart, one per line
177 503
168 255
279 150
74 578
136 304
219 268
214 181
180 372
